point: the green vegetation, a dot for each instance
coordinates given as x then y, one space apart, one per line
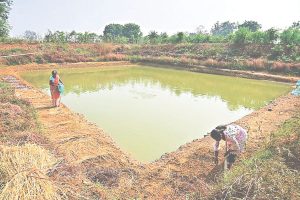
221 32
279 58
228 45
223 29
248 32
271 58
64 37
128 33
4 11
272 173
251 25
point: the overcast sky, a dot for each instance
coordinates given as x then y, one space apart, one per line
161 15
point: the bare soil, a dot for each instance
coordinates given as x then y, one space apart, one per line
89 156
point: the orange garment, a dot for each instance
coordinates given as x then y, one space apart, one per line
54 89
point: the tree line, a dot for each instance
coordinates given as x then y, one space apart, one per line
249 32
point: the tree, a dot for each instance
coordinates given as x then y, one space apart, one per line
71 37
4 12
63 37
86 37
163 37
132 32
49 37
290 36
251 25
201 30
60 37
56 37
272 35
296 25
257 37
180 37
223 29
153 36
240 35
30 36
113 31
198 38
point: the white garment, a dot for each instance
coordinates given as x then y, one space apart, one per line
235 137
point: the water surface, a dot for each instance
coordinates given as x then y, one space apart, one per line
150 111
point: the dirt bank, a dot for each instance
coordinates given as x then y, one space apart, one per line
90 156
199 69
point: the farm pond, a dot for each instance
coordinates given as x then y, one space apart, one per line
149 111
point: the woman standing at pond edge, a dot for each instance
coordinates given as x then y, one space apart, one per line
55 93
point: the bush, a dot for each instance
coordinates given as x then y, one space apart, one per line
240 36
257 37
198 38
276 52
290 36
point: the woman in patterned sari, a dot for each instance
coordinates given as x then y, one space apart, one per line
55 94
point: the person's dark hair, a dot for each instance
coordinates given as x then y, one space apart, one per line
231 158
54 72
221 127
216 134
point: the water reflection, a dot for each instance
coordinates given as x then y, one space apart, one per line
235 91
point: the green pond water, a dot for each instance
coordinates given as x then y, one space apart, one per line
151 111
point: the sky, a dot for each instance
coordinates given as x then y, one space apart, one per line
169 16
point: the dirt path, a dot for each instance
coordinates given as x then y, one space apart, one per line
89 155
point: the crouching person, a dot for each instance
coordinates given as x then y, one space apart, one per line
235 138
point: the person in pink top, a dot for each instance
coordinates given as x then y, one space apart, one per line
235 138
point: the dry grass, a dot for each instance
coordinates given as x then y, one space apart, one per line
261 179
256 64
23 171
249 57
112 57
281 66
28 171
18 123
272 173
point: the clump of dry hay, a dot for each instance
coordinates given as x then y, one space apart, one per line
23 172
